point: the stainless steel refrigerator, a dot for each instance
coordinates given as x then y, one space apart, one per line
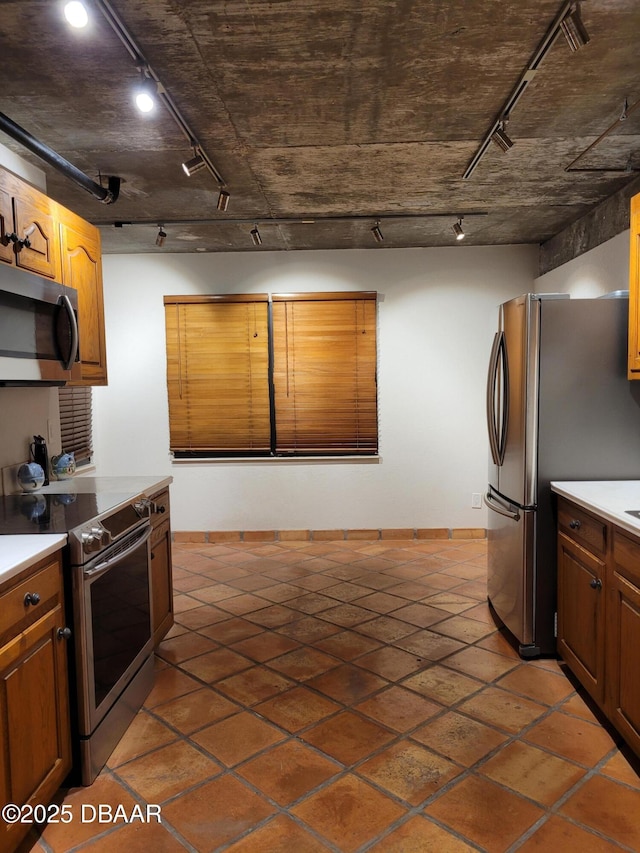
559 407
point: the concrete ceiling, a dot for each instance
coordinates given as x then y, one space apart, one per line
344 112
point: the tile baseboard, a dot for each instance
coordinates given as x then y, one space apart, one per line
362 534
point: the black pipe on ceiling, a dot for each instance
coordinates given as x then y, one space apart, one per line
107 195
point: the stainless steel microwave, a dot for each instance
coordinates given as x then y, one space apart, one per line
38 330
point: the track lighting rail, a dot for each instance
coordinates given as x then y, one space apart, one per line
165 98
520 87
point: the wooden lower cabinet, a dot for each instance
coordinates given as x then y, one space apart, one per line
623 632
35 741
599 619
161 569
581 614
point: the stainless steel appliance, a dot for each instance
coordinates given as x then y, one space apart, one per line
559 407
38 330
111 609
109 601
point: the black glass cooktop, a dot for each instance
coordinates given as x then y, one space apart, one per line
34 512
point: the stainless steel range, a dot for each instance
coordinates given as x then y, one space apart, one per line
107 575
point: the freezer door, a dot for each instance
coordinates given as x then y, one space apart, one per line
511 568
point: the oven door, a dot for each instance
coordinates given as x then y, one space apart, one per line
112 603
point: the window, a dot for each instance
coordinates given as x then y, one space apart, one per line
76 422
287 376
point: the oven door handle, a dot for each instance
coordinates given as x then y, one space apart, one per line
119 555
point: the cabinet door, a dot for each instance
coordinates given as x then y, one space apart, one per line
623 641
581 608
33 218
634 290
82 270
35 749
161 581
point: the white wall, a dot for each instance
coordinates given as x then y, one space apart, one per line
599 271
437 311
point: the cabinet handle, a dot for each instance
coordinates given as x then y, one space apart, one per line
64 633
19 244
31 598
575 524
596 583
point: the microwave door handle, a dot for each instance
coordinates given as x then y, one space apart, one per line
110 562
73 323
491 393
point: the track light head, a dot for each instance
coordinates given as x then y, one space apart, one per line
377 233
146 92
223 200
194 165
501 138
574 30
458 230
256 239
162 236
76 14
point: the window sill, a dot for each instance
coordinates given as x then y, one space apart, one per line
280 460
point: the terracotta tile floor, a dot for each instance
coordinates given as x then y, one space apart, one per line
354 696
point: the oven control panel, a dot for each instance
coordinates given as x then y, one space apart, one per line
94 537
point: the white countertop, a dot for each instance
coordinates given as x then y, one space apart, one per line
86 484
20 552
606 498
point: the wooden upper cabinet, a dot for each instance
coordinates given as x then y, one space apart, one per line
28 215
64 247
82 270
634 290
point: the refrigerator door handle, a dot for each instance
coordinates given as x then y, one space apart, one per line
498 406
508 510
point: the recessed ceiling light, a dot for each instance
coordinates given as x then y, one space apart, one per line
76 14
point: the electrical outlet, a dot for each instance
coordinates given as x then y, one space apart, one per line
476 500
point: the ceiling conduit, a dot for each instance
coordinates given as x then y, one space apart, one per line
107 195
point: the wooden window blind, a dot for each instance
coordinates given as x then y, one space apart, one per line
218 374
76 422
296 376
325 373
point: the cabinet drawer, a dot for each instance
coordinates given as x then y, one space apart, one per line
17 611
160 507
626 556
582 527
